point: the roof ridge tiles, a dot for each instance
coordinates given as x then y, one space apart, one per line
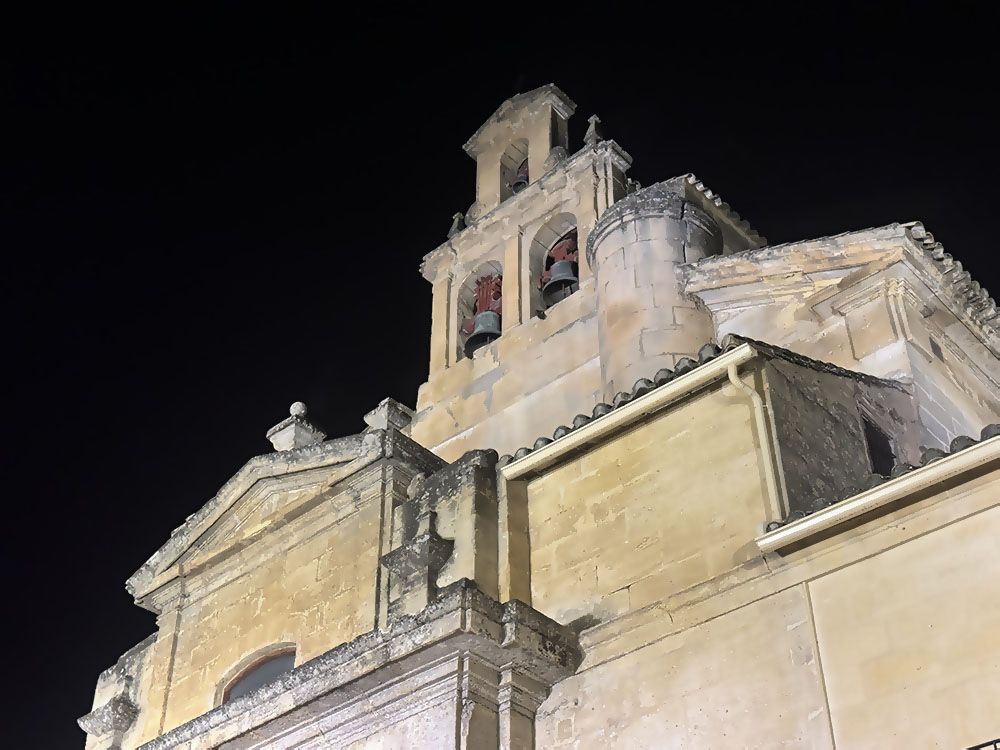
685 365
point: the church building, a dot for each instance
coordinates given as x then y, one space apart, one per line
667 486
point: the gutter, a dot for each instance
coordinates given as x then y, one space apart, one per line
940 471
538 460
767 444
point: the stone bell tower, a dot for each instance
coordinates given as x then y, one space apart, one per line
508 361
558 287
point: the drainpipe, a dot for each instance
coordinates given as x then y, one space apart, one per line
775 503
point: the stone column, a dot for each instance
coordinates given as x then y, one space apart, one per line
644 322
441 314
513 282
519 697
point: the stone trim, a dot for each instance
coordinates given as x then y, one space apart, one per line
354 453
439 258
667 198
944 275
462 619
687 375
117 715
549 92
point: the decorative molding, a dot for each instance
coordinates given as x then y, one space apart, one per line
115 716
547 94
335 690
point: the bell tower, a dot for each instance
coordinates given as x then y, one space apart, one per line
514 335
514 144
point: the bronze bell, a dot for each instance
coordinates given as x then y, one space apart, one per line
562 282
521 180
487 328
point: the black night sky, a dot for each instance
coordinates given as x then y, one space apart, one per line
205 218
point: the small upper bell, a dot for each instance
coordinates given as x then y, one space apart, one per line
486 329
521 180
562 282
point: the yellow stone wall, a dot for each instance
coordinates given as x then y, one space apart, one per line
544 369
652 511
881 635
910 639
749 679
312 585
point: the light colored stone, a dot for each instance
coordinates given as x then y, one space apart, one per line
620 581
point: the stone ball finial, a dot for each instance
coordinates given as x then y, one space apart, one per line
298 409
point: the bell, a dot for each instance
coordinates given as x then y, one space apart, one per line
521 180
487 328
562 282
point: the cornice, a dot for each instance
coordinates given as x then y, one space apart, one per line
341 450
461 620
547 94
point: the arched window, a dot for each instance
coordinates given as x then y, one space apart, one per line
479 307
514 169
553 262
259 672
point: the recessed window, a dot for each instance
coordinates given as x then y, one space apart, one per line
880 451
259 674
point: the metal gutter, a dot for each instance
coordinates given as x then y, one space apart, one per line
895 489
615 421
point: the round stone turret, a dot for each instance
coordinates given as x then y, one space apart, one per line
644 321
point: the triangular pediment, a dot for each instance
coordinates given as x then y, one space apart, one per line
264 492
265 506
511 109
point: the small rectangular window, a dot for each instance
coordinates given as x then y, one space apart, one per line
880 451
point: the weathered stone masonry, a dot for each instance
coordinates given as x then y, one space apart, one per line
713 493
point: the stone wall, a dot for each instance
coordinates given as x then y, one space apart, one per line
908 639
651 511
314 593
880 635
819 433
871 301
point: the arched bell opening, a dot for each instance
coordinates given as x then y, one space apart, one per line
514 175
479 308
554 262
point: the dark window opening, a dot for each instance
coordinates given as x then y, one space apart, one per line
879 448
259 674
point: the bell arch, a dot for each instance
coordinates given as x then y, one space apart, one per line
557 236
514 175
255 670
472 295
